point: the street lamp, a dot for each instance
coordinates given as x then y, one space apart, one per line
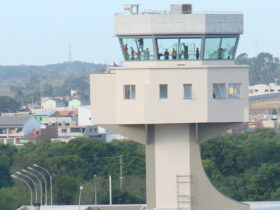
80 196
28 172
46 187
31 196
95 192
35 187
50 179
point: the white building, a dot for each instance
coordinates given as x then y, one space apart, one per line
179 86
13 128
263 89
84 116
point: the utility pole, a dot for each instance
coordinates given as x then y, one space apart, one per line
95 192
121 173
70 52
110 190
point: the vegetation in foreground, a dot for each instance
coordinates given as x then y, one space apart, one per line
245 166
242 166
72 165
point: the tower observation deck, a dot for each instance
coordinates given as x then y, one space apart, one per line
179 86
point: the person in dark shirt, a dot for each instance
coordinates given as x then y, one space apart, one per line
166 54
197 54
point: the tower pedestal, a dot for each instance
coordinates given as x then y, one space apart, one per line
175 176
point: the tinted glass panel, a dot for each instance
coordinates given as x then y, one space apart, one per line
212 46
138 49
167 49
178 48
163 91
228 47
187 91
189 49
219 48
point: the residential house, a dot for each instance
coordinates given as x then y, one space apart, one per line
52 103
84 116
13 128
46 132
74 103
42 114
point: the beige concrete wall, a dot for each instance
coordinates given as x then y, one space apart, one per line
234 109
102 96
178 24
109 106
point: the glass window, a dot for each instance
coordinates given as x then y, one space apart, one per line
137 49
228 48
234 90
212 46
75 130
167 48
163 91
129 92
219 91
187 91
64 130
219 48
189 48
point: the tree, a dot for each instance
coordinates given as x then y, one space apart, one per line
66 190
263 69
8 104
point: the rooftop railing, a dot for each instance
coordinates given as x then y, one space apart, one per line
166 12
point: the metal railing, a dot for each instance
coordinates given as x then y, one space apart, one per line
165 12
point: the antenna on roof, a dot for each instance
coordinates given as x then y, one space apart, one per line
133 8
69 52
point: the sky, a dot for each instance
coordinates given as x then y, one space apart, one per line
38 32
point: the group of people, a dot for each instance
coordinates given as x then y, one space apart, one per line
136 55
175 55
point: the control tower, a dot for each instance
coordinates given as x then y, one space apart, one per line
178 87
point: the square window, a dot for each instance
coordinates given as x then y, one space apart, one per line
219 91
129 92
187 91
163 92
234 90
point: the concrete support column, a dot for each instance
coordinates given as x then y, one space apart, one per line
167 155
172 150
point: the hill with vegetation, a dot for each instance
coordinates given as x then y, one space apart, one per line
28 83
245 167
